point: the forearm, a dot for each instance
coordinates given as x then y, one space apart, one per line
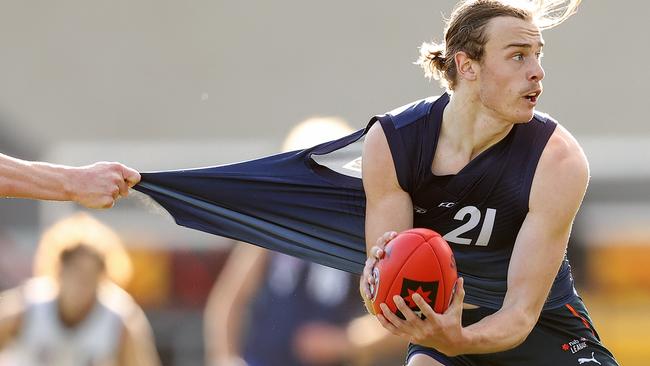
144 338
371 343
503 330
221 325
222 336
24 179
228 302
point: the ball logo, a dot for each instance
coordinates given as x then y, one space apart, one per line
374 286
427 290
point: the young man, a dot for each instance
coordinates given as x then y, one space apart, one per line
94 186
73 312
500 182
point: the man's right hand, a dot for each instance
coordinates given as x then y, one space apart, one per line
99 185
367 282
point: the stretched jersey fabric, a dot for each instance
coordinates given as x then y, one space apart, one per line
286 202
295 204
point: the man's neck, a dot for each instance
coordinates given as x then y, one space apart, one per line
469 128
71 319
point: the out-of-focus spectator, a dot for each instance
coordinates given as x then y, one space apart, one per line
271 309
73 312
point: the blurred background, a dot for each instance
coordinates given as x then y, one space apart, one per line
165 84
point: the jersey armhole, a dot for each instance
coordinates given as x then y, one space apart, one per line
398 150
538 147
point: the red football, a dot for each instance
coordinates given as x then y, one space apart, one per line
416 261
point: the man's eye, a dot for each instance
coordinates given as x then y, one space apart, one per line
518 57
539 55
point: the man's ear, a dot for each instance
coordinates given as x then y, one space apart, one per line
465 66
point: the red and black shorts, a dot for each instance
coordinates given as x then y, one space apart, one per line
563 336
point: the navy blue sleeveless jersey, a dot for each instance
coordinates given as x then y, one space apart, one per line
295 293
293 204
480 210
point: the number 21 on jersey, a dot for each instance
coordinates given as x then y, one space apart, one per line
474 214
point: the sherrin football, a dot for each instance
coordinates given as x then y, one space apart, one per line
415 261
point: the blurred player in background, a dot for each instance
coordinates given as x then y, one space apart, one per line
73 311
270 309
501 182
95 186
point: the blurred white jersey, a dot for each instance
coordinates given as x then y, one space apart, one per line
44 340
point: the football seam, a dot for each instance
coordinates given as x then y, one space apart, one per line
442 273
442 279
406 260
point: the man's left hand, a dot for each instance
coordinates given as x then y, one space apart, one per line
444 332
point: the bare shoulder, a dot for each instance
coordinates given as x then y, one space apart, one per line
375 146
564 155
561 177
378 168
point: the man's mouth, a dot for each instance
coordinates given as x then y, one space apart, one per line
532 96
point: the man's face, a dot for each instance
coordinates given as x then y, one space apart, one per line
510 76
79 279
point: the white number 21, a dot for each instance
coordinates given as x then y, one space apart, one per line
474 219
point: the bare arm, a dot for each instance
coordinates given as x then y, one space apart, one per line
360 342
371 342
232 291
137 346
558 188
94 186
388 207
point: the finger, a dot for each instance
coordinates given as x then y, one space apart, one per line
389 236
369 269
123 188
424 307
367 279
388 325
376 253
371 280
391 317
384 239
366 290
115 192
108 203
131 176
459 296
369 265
409 315
366 302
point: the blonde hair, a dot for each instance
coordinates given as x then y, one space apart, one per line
465 31
314 131
82 231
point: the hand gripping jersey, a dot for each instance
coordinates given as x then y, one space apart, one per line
305 204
